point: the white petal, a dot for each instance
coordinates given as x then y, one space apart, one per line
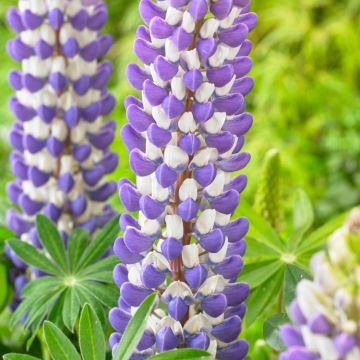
205 222
148 227
221 255
178 289
174 226
175 156
158 260
222 219
173 16
178 88
215 123
157 191
209 28
229 20
188 189
204 92
59 129
204 156
59 65
160 117
217 186
188 22
171 52
213 285
144 184
152 151
197 323
192 59
225 90
134 274
190 255
219 57
187 123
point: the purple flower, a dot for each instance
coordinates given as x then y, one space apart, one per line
185 140
61 145
325 312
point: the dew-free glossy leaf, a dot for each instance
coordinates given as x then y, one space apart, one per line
91 338
135 329
183 354
272 331
101 243
51 239
257 273
60 347
78 240
19 357
33 257
71 308
105 294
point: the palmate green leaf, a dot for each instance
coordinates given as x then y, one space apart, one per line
33 257
78 240
263 296
318 238
303 218
60 347
261 230
71 308
106 264
272 331
257 273
183 354
100 244
135 329
91 338
51 240
293 274
105 294
41 285
19 357
87 297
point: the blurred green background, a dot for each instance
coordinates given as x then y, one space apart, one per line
306 101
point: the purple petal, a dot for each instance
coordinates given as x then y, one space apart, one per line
136 241
214 305
196 276
229 330
171 248
124 254
213 241
133 295
151 277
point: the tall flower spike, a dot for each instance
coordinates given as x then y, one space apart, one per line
185 140
61 144
326 311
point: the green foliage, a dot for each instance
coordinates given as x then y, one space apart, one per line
272 331
135 329
74 276
268 194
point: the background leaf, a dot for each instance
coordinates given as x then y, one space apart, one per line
293 275
19 357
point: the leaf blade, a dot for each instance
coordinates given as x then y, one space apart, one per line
60 347
51 240
33 257
134 330
271 331
92 342
183 354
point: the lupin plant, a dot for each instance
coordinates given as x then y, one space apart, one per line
326 310
185 139
61 144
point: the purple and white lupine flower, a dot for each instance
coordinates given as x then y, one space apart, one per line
185 139
326 311
61 145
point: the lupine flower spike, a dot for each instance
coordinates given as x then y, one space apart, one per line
185 139
61 145
326 311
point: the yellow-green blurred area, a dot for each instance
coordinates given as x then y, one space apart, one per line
306 101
